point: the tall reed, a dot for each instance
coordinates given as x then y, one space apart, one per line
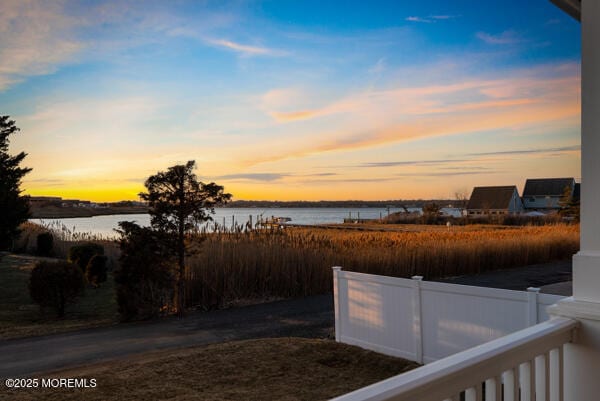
298 261
64 239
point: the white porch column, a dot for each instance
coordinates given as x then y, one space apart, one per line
582 358
586 264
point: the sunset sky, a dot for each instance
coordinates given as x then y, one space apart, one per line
289 100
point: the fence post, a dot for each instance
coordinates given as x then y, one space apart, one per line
417 326
532 305
336 302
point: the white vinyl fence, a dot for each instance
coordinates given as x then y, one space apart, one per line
425 321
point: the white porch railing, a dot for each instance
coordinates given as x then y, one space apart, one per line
523 366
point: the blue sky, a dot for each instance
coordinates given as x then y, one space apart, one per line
291 100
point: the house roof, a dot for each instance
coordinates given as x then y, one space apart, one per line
547 186
571 7
491 197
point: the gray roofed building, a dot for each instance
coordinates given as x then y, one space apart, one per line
494 201
545 193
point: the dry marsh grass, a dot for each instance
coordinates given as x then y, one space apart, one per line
64 239
297 261
241 265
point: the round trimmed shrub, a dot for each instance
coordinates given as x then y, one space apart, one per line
55 284
95 272
45 243
81 254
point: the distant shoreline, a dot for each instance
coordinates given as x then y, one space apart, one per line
53 212
382 204
58 212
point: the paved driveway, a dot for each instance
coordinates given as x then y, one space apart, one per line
304 317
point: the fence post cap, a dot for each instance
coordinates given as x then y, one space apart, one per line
336 268
533 289
420 278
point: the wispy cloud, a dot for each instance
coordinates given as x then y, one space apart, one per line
243 49
374 117
410 163
418 19
268 177
444 17
35 39
450 173
468 158
246 50
517 152
293 115
431 18
504 38
379 67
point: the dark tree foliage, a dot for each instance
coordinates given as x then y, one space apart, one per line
145 275
55 284
569 206
178 203
44 244
96 270
14 208
81 254
431 213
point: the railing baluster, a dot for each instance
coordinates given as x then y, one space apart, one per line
532 381
490 390
511 385
473 393
498 380
547 376
507 386
516 383
525 381
554 373
541 378
561 374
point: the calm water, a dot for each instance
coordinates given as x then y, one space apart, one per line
105 225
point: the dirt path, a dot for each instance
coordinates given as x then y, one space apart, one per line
305 317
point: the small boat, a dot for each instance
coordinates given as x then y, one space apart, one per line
275 221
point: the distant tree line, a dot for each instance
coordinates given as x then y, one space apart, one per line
397 203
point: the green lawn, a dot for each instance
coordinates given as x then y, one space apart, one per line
20 317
